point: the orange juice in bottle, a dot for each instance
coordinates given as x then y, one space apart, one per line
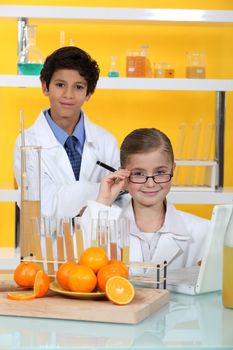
227 288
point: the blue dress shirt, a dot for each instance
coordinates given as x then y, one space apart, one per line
61 135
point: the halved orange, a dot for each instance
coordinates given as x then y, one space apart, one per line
21 295
40 288
119 290
41 284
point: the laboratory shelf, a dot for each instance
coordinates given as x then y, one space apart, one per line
178 195
194 195
8 194
132 83
152 15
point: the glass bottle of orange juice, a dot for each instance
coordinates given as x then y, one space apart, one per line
227 288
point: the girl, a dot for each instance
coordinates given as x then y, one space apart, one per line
158 230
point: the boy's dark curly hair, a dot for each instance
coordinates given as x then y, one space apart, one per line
71 57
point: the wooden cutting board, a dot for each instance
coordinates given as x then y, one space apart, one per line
145 303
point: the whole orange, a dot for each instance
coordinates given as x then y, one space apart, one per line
25 273
94 257
125 272
63 273
82 279
108 271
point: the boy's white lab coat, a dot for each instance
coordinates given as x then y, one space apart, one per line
181 240
61 194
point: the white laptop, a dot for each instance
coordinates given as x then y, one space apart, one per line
208 277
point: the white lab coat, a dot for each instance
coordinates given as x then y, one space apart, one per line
61 194
181 240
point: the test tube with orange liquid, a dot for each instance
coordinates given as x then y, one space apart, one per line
124 230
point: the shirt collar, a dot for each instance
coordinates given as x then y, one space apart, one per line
61 135
172 223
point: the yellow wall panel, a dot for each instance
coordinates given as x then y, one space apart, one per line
7 225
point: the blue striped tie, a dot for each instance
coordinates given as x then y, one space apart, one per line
73 154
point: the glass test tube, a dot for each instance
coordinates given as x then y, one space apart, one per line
78 237
103 238
48 231
60 242
124 230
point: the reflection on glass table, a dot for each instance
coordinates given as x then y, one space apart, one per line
186 322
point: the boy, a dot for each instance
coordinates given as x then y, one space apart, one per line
71 143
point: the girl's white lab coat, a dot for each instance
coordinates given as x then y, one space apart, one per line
61 194
181 240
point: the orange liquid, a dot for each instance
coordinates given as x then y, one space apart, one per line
49 255
113 251
125 254
195 72
169 73
136 66
29 210
227 288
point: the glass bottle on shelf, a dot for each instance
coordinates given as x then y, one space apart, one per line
30 60
227 287
195 64
113 71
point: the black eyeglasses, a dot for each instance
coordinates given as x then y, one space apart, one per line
157 178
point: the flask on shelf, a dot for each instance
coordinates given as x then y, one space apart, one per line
30 60
113 71
227 287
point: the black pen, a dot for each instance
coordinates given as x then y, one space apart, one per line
108 167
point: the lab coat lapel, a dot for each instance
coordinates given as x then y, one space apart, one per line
89 152
167 249
174 237
172 242
55 155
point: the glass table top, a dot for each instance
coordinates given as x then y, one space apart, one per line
186 322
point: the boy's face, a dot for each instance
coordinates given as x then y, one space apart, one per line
67 92
152 163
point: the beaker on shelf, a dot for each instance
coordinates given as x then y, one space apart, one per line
30 60
164 70
137 63
195 64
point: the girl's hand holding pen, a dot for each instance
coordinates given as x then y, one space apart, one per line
111 185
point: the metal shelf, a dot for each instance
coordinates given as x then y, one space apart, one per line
192 195
151 15
131 83
178 195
